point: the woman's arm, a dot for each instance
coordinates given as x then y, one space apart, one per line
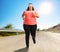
36 14
23 16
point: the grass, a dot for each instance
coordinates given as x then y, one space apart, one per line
2 34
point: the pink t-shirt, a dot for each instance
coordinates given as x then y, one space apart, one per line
30 18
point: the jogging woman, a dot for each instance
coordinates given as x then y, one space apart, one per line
30 25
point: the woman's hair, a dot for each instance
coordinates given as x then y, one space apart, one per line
32 7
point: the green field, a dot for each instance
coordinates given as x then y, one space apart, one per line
10 33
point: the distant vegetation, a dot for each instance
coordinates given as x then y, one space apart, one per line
38 29
9 27
10 33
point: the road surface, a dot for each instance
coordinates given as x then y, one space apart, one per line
45 42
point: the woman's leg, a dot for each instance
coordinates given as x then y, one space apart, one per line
33 32
27 33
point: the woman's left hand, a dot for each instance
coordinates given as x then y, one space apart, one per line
35 14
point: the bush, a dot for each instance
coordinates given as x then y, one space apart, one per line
7 33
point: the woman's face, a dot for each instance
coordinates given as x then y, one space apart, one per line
30 7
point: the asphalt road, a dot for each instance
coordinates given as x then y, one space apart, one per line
45 42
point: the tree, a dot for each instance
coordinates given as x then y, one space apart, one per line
38 29
9 26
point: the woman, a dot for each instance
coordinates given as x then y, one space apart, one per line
30 25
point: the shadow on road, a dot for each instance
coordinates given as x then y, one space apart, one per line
22 50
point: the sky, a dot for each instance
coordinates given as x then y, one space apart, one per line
11 12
